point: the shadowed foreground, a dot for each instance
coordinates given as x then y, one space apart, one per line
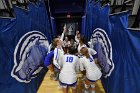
51 86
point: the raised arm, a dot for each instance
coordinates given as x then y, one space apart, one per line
76 37
62 36
64 31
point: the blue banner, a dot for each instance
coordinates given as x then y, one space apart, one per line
23 48
126 51
39 18
92 15
117 49
118 54
103 20
53 23
4 22
83 25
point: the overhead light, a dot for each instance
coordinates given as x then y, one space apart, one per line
68 16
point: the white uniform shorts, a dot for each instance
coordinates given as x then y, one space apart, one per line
64 85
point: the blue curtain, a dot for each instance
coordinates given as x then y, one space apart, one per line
53 23
83 24
12 31
103 21
95 15
22 20
88 16
5 21
39 18
126 49
6 50
92 15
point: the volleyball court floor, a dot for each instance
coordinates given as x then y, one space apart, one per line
51 86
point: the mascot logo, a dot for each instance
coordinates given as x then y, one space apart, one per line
101 43
29 56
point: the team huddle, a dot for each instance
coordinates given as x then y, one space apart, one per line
69 60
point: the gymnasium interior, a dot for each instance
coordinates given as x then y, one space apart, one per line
45 20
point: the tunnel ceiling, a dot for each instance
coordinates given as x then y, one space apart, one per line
63 7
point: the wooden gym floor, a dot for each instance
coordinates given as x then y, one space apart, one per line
51 86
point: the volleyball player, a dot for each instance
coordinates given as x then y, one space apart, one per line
69 65
58 51
49 64
93 73
49 58
82 43
59 37
77 37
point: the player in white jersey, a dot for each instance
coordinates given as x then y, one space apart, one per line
77 37
82 43
58 37
69 66
58 51
93 73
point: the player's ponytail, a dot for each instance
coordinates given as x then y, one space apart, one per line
84 51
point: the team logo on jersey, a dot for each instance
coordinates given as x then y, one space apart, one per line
29 56
101 43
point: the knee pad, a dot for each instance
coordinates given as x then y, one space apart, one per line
64 86
87 86
92 85
73 87
92 91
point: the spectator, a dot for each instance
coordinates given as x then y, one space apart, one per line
66 42
73 43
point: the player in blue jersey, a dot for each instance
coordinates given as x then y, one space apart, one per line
49 58
48 63
69 66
